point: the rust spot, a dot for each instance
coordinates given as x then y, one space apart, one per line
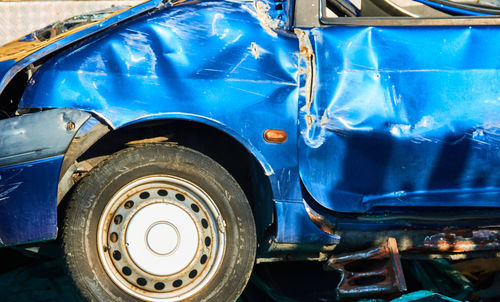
463 241
255 50
153 140
307 66
325 225
369 272
70 126
309 120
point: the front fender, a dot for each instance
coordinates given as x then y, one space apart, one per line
33 147
214 60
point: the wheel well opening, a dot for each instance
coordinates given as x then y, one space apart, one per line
212 142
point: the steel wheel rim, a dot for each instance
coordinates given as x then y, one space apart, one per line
164 205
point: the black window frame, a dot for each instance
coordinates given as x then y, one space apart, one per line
405 21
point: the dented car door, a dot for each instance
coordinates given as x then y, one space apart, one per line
402 117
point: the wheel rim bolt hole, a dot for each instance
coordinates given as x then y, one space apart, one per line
126 271
203 259
144 195
141 281
208 241
193 274
129 204
118 219
180 197
195 208
204 223
117 255
162 193
177 283
113 237
159 285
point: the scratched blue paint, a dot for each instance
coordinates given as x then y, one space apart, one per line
403 117
25 213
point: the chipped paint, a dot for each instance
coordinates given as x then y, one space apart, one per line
307 68
260 11
255 50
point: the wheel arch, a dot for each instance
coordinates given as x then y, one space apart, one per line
206 136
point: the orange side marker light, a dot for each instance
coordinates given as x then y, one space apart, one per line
275 136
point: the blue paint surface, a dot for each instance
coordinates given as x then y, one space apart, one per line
403 117
295 226
210 62
28 201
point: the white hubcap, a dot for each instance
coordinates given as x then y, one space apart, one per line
162 239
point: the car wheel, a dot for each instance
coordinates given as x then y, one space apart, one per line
159 223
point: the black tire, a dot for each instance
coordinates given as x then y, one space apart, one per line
103 232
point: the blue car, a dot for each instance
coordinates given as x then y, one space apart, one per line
173 144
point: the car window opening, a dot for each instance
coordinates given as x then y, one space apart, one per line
411 8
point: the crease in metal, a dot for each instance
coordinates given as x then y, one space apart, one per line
402 117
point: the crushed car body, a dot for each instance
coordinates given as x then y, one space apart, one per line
388 119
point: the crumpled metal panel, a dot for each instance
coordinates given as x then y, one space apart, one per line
282 11
402 117
215 62
22 139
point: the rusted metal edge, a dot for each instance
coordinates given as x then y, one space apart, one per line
375 271
307 69
446 241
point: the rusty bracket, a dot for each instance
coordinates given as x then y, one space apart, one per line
376 271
